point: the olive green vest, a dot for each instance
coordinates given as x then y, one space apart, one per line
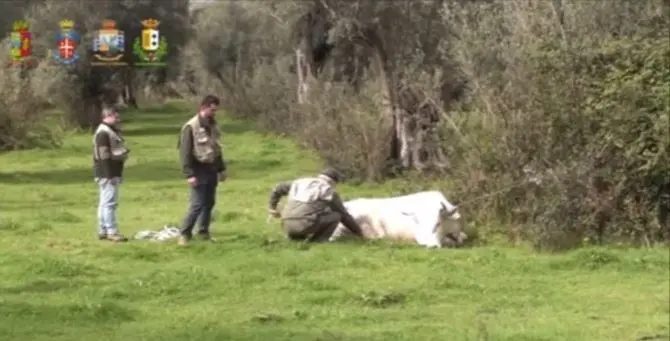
308 198
118 150
206 147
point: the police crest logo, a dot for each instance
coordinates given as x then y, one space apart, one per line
109 45
150 47
67 40
21 43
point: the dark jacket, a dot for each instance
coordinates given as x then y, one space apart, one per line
105 164
191 167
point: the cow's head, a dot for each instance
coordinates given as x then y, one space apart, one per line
453 224
452 213
455 239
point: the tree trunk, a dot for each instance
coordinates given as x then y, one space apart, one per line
129 89
93 107
304 67
85 112
304 53
411 122
394 118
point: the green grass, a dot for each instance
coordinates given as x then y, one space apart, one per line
57 282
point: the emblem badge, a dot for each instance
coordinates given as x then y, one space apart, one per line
68 40
150 48
109 45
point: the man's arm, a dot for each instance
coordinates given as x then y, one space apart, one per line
104 154
278 192
337 205
220 164
186 152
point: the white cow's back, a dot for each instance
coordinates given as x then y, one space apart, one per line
377 221
414 217
427 201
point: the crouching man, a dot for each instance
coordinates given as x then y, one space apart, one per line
313 208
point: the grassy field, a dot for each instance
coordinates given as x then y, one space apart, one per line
58 282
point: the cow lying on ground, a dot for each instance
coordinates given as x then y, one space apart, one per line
426 218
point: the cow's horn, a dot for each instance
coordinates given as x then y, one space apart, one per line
450 213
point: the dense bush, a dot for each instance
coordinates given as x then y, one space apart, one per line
23 122
583 110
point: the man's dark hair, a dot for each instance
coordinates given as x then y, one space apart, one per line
333 174
210 100
109 111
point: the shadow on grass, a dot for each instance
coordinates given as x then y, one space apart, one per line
154 130
42 286
261 326
150 171
102 312
170 122
159 129
251 169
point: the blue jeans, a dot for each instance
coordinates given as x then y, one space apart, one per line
109 196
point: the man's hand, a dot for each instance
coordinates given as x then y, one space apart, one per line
274 213
193 181
222 176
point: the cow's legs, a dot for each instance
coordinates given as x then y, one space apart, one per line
426 237
340 231
369 228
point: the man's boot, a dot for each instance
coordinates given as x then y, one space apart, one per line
183 240
205 236
117 238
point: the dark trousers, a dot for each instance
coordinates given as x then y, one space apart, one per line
314 232
201 203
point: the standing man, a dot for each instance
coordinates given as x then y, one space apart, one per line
202 166
314 208
109 157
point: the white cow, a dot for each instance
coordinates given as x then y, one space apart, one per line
425 217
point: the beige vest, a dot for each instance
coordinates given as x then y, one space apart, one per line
308 198
309 190
118 150
206 147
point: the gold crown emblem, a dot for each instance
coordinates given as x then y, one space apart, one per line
108 24
150 23
66 24
20 25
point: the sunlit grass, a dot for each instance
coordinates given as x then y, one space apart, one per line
58 282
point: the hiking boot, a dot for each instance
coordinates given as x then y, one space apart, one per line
183 240
117 238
